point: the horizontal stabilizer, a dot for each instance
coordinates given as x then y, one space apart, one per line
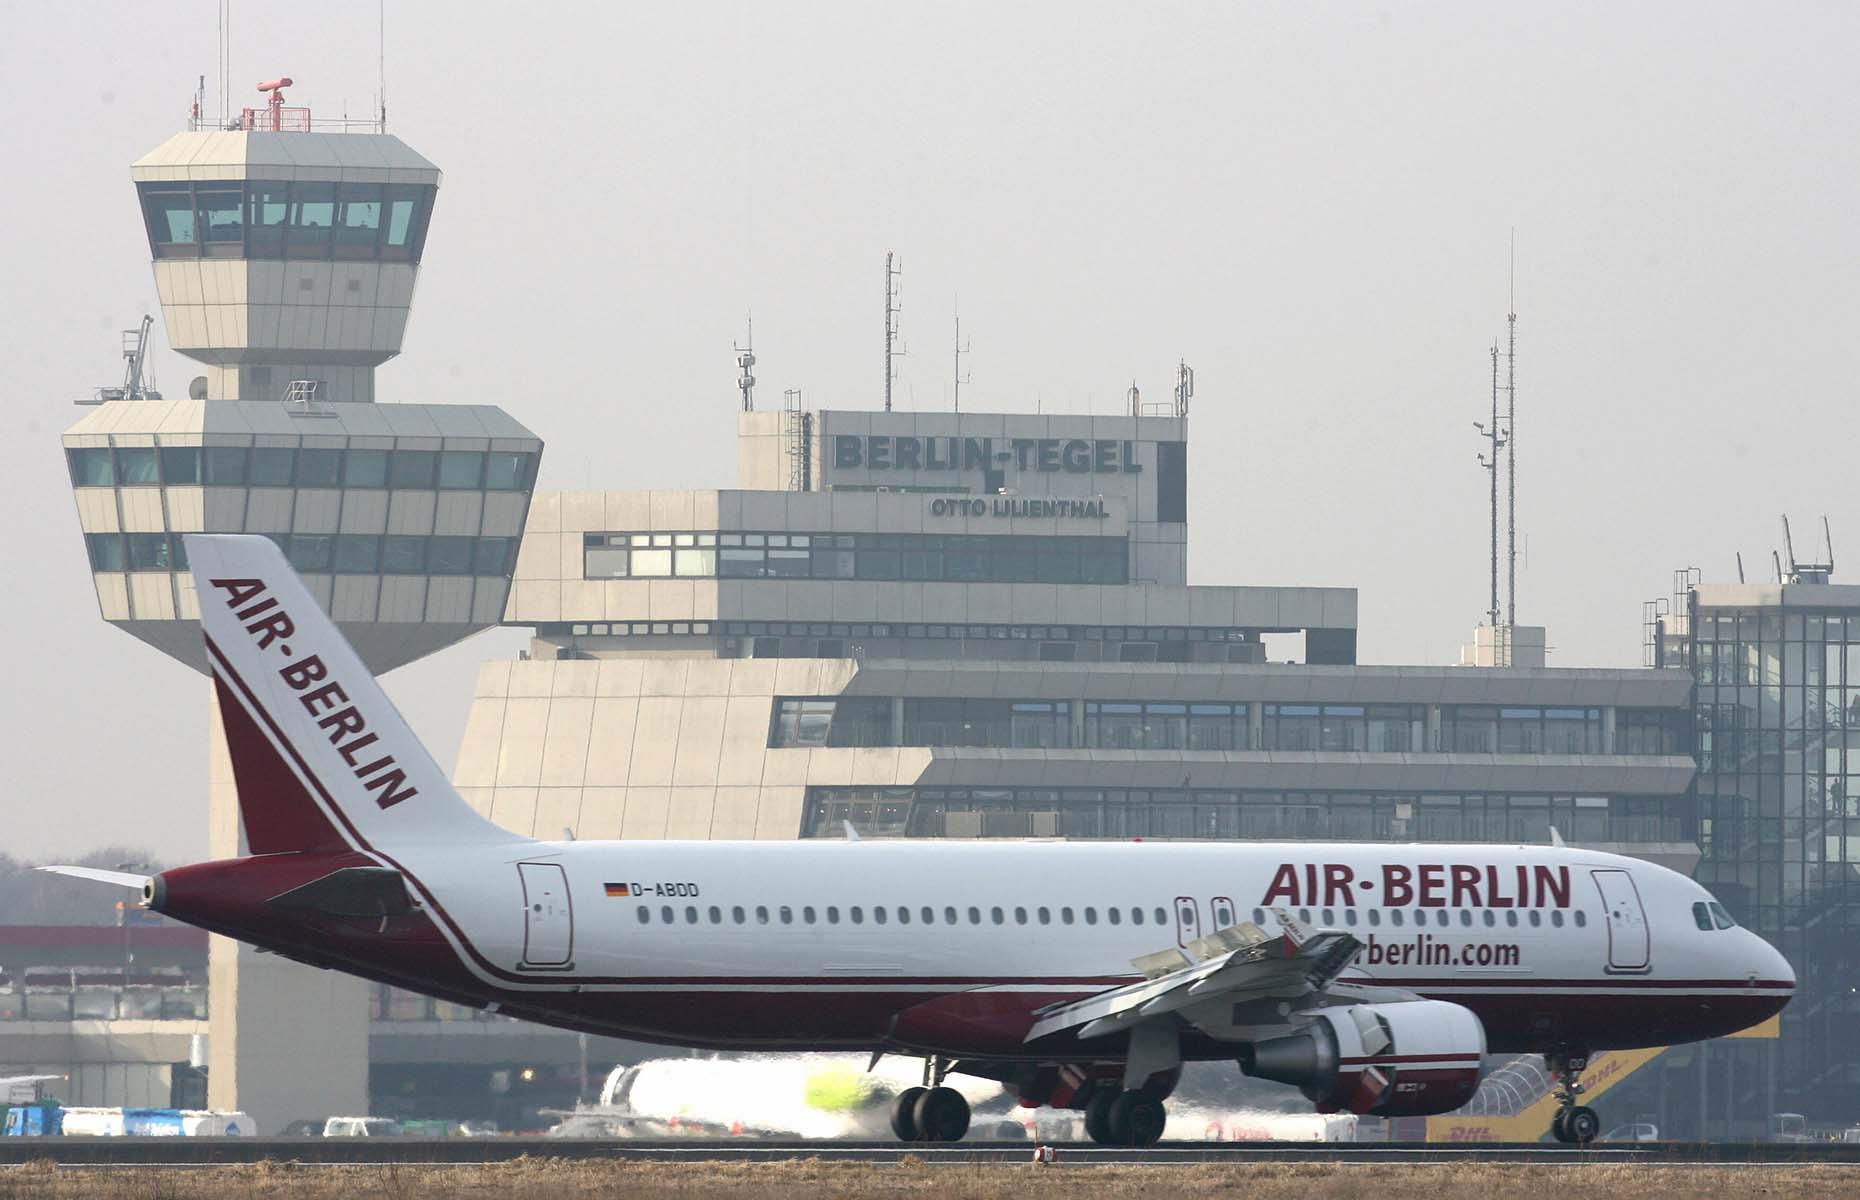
98 875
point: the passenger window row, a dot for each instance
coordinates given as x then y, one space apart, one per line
833 914
1400 918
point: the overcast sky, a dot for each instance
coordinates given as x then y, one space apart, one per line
1311 203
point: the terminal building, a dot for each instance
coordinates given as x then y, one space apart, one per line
903 624
1777 674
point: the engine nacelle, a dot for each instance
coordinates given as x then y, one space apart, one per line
1410 1059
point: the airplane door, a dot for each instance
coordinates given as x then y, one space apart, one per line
548 919
1628 942
1187 920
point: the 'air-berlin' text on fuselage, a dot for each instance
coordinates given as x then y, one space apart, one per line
341 720
1427 885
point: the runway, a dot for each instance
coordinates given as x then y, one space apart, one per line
204 1152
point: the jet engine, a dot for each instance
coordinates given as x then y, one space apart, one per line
1409 1059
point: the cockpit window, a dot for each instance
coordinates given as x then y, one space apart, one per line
1723 917
1701 916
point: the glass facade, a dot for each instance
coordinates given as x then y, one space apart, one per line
323 553
277 219
910 557
300 466
1194 725
1778 796
1253 816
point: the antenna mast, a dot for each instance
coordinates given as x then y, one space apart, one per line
893 306
1493 435
1511 442
381 63
962 348
1184 387
746 362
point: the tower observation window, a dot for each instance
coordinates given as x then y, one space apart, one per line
270 219
169 212
222 226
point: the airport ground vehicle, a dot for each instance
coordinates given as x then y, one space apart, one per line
1638 1131
1375 978
360 1127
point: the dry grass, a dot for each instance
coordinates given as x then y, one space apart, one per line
808 1179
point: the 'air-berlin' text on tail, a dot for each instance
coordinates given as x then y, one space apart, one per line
321 757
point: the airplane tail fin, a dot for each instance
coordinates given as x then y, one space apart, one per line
321 757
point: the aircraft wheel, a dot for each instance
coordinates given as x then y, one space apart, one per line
941 1114
1098 1116
1558 1129
904 1113
1582 1125
1136 1119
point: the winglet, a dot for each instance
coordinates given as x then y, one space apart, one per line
852 835
1296 932
1556 839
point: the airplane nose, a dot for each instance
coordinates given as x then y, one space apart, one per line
1771 965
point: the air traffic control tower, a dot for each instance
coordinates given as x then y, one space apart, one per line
285 256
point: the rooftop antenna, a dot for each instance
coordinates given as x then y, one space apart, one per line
381 63
746 363
962 348
1136 399
1740 566
1807 572
1497 440
1828 538
225 84
894 304
1184 387
1511 441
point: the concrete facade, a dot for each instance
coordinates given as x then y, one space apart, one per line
844 638
286 264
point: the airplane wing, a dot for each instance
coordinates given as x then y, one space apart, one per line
98 875
1234 964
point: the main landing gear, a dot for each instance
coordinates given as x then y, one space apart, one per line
1124 1118
931 1113
1574 1123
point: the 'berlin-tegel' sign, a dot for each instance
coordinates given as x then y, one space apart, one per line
1072 455
1016 506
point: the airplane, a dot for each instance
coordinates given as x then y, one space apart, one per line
1376 978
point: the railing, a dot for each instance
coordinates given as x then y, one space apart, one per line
288 120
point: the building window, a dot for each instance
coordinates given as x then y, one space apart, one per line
920 557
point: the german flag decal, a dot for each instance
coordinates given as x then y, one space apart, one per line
618 889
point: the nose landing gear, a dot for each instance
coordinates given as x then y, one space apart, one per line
1574 1123
931 1113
